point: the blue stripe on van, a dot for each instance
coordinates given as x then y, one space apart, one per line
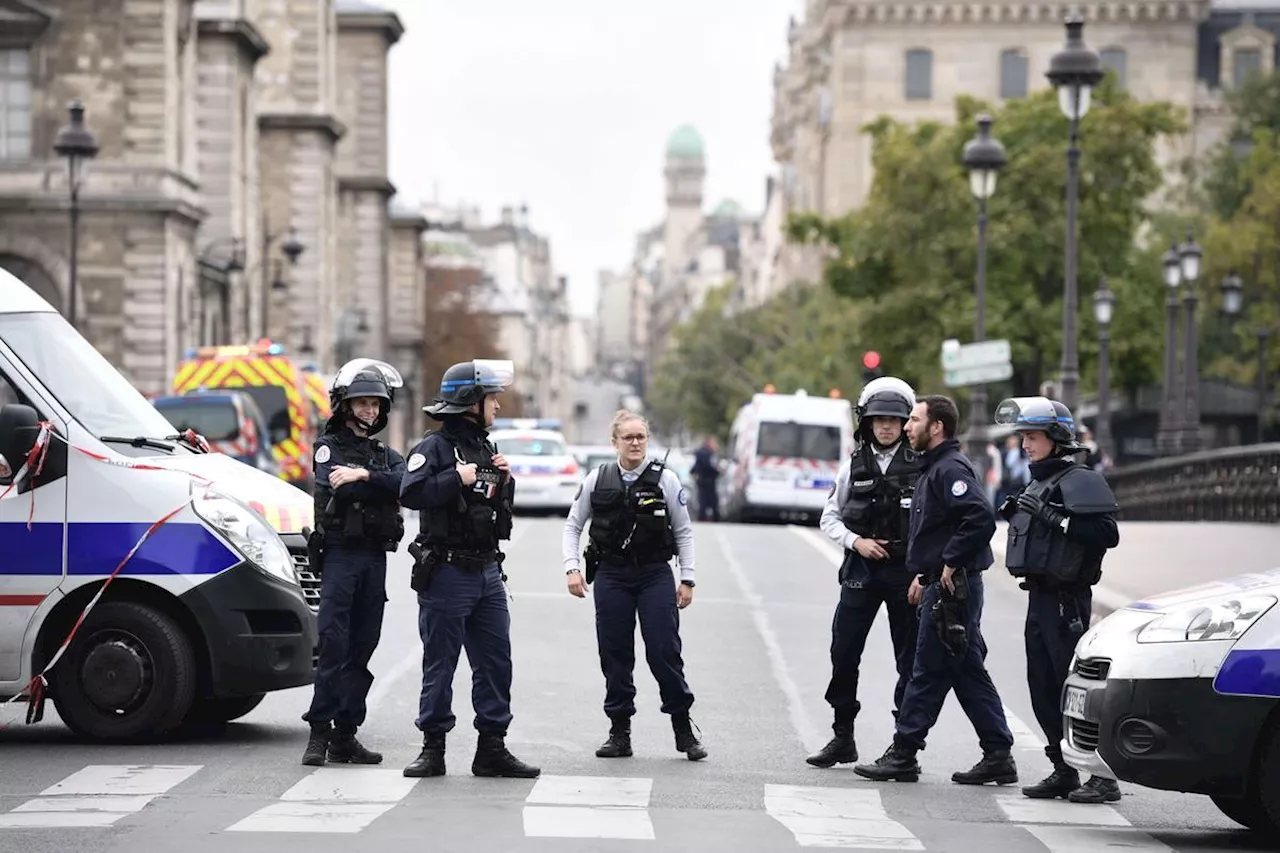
96 548
1249 672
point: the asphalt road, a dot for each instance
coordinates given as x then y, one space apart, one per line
756 645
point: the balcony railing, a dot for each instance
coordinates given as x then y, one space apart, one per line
1240 484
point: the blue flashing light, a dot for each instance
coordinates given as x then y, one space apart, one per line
191 352
275 349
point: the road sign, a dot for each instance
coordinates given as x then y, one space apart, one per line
975 364
979 375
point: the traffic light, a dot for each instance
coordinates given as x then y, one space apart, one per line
871 366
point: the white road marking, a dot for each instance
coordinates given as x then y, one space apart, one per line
591 791
1077 839
837 817
589 807
331 799
1024 810
98 795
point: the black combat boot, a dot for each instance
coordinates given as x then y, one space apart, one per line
619 743
686 741
996 766
317 745
1062 781
898 764
494 759
1096 791
345 749
841 749
430 762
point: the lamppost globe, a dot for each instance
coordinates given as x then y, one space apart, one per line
1232 294
984 157
76 142
292 247
1075 71
1104 303
1190 254
1172 266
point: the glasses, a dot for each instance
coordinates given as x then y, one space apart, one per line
633 439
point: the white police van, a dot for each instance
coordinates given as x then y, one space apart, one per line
1181 692
204 609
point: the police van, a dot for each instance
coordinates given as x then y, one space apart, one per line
1181 692
786 451
144 582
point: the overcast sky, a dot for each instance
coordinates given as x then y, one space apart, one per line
566 105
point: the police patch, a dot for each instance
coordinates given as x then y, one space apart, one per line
959 487
683 498
322 454
416 461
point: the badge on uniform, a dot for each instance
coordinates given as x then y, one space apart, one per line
959 487
683 498
322 454
416 461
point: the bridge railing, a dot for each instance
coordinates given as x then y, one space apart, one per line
1240 484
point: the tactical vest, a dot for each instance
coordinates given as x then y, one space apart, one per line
630 523
878 505
481 515
1036 550
374 521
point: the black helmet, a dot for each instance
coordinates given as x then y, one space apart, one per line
1040 414
467 383
886 396
364 377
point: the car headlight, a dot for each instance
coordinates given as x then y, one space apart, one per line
1227 619
246 531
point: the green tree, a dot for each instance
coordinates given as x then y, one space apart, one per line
908 254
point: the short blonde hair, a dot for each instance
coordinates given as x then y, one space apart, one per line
621 417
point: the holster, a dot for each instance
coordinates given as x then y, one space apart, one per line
424 567
952 610
315 552
591 562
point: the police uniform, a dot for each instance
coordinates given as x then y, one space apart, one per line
357 523
639 521
457 574
871 498
951 525
1060 526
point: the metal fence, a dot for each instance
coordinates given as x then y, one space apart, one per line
1229 484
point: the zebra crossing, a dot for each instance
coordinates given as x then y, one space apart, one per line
352 800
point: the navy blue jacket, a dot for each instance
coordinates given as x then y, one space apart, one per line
952 521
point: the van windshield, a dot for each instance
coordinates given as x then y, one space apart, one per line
215 420
799 441
77 375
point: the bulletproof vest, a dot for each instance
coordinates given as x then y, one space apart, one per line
481 516
878 504
630 523
371 521
1037 550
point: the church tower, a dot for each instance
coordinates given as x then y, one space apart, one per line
686 171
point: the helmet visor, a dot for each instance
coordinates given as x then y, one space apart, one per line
494 373
891 384
1029 413
349 370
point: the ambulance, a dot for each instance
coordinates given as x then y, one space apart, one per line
144 582
1181 692
786 451
277 384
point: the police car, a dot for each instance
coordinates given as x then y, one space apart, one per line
1181 692
547 474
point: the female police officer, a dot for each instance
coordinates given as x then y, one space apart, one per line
640 520
357 482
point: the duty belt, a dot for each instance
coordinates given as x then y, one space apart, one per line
469 560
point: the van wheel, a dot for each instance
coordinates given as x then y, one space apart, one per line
129 674
1266 786
1246 811
223 710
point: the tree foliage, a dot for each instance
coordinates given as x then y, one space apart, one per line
907 257
458 327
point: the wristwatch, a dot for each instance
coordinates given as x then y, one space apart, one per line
689 584
573 571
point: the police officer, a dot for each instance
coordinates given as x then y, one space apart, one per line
639 520
357 483
462 488
950 546
869 512
1060 527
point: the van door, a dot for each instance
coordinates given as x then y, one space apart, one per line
32 561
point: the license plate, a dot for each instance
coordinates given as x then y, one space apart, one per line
1073 703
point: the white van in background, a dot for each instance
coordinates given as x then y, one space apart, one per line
786 450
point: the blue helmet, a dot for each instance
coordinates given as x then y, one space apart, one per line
1039 414
467 383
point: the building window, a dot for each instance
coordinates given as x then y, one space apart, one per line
1013 74
1246 62
15 104
919 75
1114 59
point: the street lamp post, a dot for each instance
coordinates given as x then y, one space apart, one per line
1074 71
1190 254
984 157
1104 302
1171 403
292 249
78 144
1263 334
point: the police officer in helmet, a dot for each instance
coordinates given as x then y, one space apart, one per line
462 488
1060 527
868 513
357 483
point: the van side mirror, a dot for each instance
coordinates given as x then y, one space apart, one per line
19 429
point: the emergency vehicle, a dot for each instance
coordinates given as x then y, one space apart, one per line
786 451
276 383
144 582
1181 692
547 473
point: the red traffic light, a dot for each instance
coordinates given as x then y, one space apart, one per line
871 360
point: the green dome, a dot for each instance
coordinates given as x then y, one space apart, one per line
685 142
729 209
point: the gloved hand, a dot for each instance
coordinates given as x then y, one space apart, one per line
1037 507
1008 507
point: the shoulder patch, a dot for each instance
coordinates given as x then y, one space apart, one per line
416 461
322 454
959 487
683 498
